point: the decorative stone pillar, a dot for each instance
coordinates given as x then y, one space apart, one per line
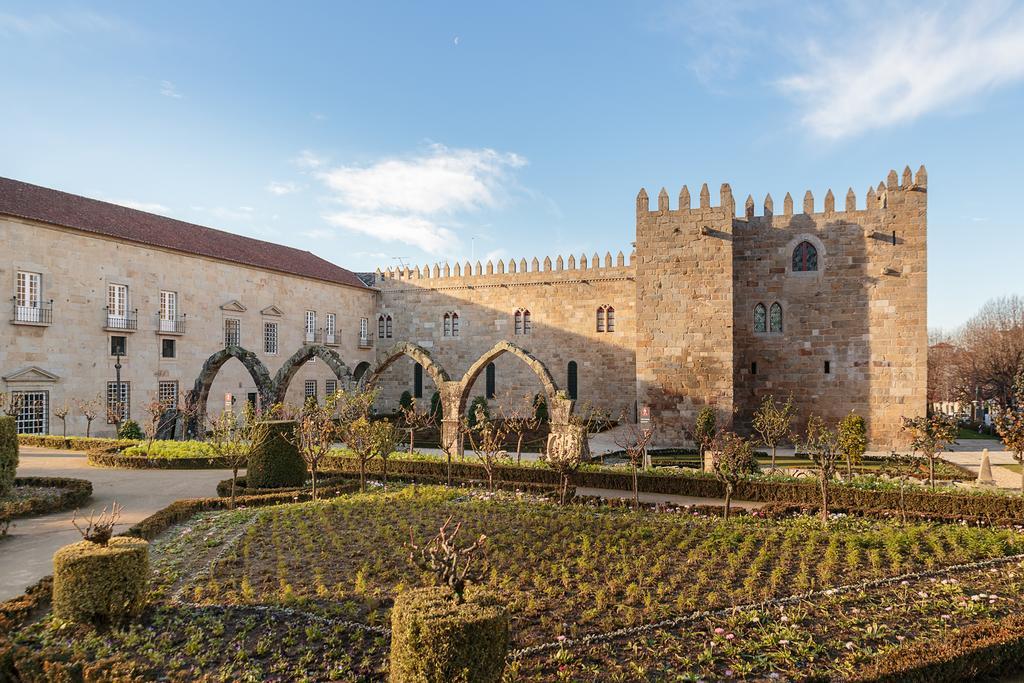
568 434
985 477
451 407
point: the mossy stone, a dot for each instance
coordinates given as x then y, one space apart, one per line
435 640
100 585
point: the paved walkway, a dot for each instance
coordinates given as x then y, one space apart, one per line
26 555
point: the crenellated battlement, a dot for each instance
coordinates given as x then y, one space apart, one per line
592 266
875 198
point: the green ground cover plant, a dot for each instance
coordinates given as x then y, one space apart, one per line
170 449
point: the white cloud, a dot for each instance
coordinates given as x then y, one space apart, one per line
909 64
57 24
413 230
168 89
413 199
442 181
309 160
149 207
281 188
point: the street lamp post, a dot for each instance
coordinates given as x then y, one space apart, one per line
118 405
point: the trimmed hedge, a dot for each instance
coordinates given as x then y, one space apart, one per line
73 492
106 458
73 443
337 483
8 454
277 463
435 640
981 507
100 585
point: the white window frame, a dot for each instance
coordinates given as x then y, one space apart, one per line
235 335
330 387
34 414
167 394
125 399
271 338
330 327
117 304
364 330
168 310
309 389
310 326
28 295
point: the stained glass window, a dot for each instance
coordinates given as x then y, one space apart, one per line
775 318
760 318
805 257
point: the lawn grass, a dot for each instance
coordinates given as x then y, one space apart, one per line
966 433
563 571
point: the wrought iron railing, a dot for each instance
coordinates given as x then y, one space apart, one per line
36 313
122 320
170 325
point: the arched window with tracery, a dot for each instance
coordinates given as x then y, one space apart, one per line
380 327
522 320
384 327
600 318
775 318
760 318
605 319
451 324
805 258
387 326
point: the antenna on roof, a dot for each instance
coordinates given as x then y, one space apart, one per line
400 259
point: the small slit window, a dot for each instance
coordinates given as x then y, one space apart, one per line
805 258
572 378
490 381
828 367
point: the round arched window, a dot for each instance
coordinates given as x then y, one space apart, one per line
805 258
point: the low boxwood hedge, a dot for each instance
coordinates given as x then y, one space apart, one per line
70 493
100 584
73 443
102 457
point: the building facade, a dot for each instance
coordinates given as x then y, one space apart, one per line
710 308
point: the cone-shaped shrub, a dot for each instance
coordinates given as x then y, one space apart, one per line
100 585
8 454
277 463
435 640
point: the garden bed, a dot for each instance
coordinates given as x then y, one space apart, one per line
41 495
73 443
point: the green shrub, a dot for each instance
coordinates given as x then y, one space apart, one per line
8 454
540 408
434 640
171 449
478 402
130 430
277 463
74 443
405 401
100 585
436 407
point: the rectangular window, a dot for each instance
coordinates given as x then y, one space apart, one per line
232 332
33 416
168 311
828 368
168 348
329 328
753 368
118 345
270 338
167 395
310 389
28 297
331 387
364 329
310 325
117 303
119 401
417 381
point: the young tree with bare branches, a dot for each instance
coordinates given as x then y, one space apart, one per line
931 435
236 440
773 421
90 410
822 446
450 564
487 439
61 413
414 419
314 434
732 460
634 439
384 438
521 419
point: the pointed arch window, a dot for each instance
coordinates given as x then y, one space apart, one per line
417 381
775 318
805 258
605 318
522 321
451 324
760 319
490 381
384 327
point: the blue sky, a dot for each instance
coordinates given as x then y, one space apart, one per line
431 131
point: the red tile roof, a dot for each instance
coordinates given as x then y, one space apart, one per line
112 220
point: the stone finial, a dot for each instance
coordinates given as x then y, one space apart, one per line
620 260
534 265
892 181
787 205
479 269
467 269
921 179
458 270
728 203
607 259
447 270
808 202
490 267
377 272
851 200
595 261
501 266
881 195
985 477
547 263
512 265
572 262
830 202
684 198
769 205
748 207
908 178
643 202
663 200
559 263
705 197
871 199
632 257
583 261
522 266
436 271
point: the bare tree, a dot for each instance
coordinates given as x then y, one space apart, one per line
355 427
90 410
487 439
451 564
521 418
704 430
732 460
160 415
853 440
99 529
822 446
1010 426
235 441
901 467
414 420
772 422
931 435
314 434
12 404
993 346
384 438
61 413
634 439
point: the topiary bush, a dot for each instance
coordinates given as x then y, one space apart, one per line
435 640
405 401
480 402
130 429
278 463
8 454
100 585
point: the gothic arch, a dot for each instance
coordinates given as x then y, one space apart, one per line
414 351
284 376
547 381
360 374
201 390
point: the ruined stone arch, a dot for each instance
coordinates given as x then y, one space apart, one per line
361 373
284 376
547 381
414 351
260 375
